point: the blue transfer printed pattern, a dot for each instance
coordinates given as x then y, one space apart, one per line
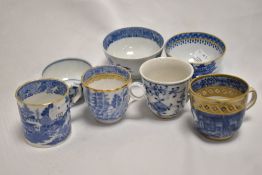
166 100
133 32
202 69
220 81
107 106
196 38
45 125
38 86
105 69
217 126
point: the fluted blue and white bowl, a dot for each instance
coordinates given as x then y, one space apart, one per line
204 51
130 47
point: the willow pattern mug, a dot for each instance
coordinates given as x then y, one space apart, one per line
44 108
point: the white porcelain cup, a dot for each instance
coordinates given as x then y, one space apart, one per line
166 81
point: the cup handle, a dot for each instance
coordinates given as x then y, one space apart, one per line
75 93
188 97
253 98
133 95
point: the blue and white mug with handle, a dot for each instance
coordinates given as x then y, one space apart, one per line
44 107
166 81
107 91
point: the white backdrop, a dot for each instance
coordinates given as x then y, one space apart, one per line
34 33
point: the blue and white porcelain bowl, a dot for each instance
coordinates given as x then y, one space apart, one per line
44 108
106 92
166 81
204 51
130 47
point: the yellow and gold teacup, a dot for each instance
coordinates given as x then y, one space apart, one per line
219 103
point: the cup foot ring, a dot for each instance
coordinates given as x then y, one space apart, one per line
108 121
211 138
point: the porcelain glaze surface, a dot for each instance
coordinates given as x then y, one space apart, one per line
133 47
45 124
130 47
202 50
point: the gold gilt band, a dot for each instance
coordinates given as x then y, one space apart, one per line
106 76
220 100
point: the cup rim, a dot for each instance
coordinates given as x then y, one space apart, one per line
204 62
43 104
137 58
167 83
127 82
191 91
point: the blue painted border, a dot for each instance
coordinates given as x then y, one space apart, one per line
133 32
105 69
34 87
219 80
195 38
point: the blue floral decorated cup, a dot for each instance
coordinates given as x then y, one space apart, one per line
166 81
44 108
107 90
204 51
219 103
131 46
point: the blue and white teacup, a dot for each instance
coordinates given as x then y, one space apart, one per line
166 81
107 90
204 51
219 103
44 108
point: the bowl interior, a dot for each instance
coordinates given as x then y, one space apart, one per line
133 42
195 47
